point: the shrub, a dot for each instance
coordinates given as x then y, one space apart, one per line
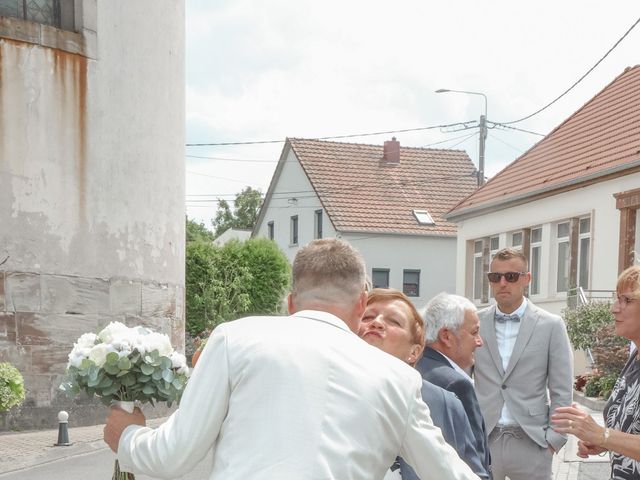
584 323
237 279
592 387
11 387
606 384
610 352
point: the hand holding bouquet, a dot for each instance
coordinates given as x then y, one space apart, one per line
126 364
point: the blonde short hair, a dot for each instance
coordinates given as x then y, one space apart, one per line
629 280
386 295
328 270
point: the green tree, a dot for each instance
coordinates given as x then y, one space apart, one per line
244 215
236 279
197 231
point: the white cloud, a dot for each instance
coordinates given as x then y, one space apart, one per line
267 70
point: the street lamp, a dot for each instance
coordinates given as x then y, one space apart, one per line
483 131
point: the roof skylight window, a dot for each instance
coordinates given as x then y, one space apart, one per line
423 217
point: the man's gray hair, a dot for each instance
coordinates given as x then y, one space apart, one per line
328 270
445 311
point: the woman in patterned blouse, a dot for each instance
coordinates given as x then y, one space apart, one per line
621 436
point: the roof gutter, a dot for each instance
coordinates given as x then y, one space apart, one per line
475 211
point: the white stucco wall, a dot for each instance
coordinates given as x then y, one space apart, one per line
433 256
91 186
92 150
596 200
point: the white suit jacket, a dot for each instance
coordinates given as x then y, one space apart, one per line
537 380
298 397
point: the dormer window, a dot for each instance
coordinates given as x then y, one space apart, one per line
423 217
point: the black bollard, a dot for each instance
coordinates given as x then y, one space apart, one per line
63 430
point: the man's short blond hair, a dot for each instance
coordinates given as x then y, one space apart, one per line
509 253
328 270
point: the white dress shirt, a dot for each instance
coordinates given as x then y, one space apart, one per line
457 368
506 335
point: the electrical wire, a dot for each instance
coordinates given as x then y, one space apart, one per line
333 137
501 126
577 82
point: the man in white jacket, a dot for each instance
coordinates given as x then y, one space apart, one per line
296 397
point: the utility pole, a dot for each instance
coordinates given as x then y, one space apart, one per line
483 131
483 136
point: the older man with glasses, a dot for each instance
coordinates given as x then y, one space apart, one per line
524 372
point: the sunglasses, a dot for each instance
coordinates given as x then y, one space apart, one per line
511 277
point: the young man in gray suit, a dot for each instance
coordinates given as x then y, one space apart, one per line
524 372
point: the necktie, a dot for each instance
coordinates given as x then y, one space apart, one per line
507 318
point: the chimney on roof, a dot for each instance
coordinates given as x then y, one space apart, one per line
391 151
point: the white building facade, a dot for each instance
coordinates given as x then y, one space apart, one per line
421 265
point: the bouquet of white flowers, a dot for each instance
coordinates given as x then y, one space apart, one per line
122 364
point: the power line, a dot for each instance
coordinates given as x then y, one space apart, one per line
232 159
577 82
334 137
502 126
519 150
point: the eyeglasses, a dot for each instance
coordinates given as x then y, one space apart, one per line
511 277
623 300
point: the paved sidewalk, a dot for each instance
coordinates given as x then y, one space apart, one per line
28 449
20 451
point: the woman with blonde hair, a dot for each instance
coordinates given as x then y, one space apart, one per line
621 433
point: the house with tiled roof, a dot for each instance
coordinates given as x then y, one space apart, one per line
570 203
388 201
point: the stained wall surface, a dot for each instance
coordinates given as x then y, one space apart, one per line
91 188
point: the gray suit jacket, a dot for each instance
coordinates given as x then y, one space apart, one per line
538 379
448 414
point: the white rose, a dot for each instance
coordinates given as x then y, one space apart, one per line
98 354
115 331
178 360
158 341
86 340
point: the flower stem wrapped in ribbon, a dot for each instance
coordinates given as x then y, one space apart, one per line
123 364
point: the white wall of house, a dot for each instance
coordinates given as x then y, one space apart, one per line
434 257
595 200
292 196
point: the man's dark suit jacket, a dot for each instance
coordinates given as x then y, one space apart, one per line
435 368
447 413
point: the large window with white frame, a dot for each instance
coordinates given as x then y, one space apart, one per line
568 241
494 247
584 248
516 240
478 277
563 259
535 258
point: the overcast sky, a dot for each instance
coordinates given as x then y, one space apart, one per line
266 70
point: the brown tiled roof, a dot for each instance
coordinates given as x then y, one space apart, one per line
360 193
601 138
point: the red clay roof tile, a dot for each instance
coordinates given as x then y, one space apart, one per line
361 193
602 135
